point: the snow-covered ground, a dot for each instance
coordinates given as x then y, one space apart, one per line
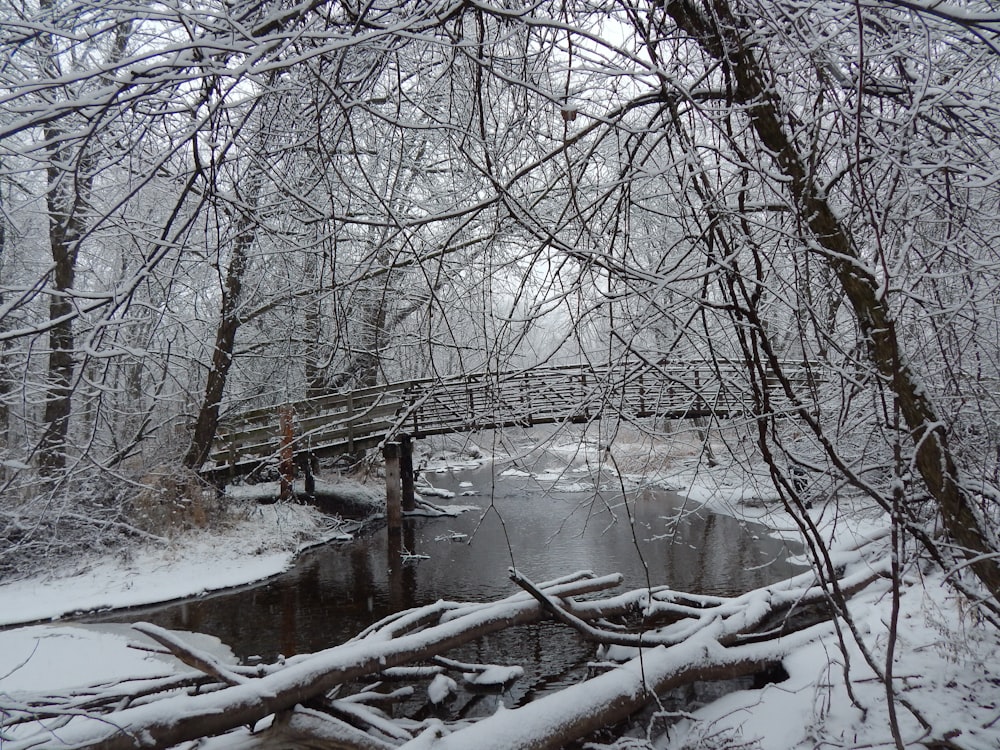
945 668
53 657
258 542
944 660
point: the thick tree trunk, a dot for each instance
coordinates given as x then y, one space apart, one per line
69 184
65 203
718 32
207 421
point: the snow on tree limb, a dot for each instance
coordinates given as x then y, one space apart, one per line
238 698
188 717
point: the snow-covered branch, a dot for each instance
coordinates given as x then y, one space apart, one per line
410 645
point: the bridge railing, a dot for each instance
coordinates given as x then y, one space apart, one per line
488 400
346 423
353 420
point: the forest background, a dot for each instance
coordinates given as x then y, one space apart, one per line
200 201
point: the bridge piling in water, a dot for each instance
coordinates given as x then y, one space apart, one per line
393 486
399 491
406 477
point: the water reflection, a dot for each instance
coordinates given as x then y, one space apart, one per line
334 592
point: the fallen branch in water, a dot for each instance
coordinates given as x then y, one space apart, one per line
549 723
179 718
709 638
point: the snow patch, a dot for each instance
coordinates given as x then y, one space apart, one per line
494 676
441 688
262 543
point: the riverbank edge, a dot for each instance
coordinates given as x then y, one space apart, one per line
263 541
264 538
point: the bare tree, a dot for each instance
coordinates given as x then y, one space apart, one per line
722 34
240 208
69 177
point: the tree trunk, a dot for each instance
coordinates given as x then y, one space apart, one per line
65 203
718 32
314 363
7 389
69 178
222 355
6 372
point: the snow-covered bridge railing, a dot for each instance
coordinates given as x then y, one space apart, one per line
576 393
361 419
329 425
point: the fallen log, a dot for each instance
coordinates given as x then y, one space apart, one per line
549 723
710 638
180 718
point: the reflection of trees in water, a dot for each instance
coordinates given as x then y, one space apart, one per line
289 642
362 584
336 591
402 575
702 552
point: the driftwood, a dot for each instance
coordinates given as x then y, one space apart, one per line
309 700
184 717
581 709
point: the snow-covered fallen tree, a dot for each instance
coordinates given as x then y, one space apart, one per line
650 640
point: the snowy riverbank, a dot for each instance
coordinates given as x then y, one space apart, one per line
255 542
943 659
258 542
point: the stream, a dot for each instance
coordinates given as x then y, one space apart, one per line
547 519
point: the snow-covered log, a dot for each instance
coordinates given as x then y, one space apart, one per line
712 638
179 718
554 720
759 614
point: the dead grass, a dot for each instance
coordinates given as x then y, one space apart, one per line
172 500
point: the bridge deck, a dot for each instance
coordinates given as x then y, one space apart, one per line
361 419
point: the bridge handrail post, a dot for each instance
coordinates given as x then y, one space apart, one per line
350 421
286 449
410 401
642 393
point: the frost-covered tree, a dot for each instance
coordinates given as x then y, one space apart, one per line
201 199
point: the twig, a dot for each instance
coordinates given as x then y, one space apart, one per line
192 657
585 629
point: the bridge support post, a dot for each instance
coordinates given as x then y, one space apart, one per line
393 487
308 475
406 477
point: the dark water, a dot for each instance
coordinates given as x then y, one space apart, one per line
335 591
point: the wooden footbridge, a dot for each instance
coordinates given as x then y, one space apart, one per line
350 422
